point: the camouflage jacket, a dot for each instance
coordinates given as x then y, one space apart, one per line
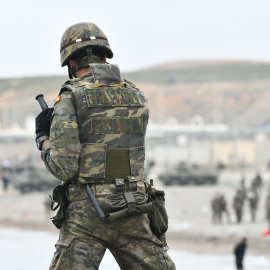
216 206
94 114
268 203
238 202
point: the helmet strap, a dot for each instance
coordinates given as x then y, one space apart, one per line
72 70
91 58
69 73
89 55
85 61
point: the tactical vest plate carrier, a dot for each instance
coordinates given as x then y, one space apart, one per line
112 117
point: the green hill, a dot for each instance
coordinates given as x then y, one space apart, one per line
232 92
203 71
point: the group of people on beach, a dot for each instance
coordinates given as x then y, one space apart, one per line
244 193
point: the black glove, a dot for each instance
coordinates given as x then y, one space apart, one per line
43 123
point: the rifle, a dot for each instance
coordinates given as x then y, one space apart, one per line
88 190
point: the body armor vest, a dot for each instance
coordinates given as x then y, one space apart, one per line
112 117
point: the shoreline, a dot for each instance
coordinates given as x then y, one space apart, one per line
257 246
190 219
185 241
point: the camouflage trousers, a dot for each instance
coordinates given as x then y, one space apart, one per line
217 216
84 239
238 213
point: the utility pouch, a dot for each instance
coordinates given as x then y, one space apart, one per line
117 206
158 216
128 200
59 197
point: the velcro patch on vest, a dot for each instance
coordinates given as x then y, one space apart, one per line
110 125
112 97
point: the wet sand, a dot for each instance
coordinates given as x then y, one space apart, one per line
190 226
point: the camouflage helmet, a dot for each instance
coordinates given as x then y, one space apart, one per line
82 35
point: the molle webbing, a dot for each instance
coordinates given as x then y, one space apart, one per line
117 166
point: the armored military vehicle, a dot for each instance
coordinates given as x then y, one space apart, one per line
189 175
35 179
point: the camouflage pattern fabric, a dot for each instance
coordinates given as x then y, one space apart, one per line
256 183
253 202
238 205
224 208
76 153
61 154
106 74
219 206
268 208
216 204
129 239
136 156
217 209
92 163
238 201
82 35
106 116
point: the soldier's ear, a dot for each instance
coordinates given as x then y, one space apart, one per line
72 63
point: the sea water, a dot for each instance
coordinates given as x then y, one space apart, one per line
32 250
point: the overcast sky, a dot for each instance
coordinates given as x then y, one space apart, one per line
142 33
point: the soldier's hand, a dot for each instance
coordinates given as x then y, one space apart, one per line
43 122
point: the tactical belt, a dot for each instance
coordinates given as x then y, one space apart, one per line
76 190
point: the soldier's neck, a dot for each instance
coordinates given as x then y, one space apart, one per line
82 71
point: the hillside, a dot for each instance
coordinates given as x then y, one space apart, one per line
232 92
203 71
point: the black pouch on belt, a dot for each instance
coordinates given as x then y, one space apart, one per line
59 197
158 216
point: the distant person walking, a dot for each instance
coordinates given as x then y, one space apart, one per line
253 203
224 208
268 208
242 187
219 205
217 209
257 182
238 203
4 175
239 252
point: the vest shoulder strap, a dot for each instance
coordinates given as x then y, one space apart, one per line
106 74
131 84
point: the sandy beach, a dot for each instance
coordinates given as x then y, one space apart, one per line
190 226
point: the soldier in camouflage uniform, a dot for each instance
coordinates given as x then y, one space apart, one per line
216 209
256 183
219 205
268 208
96 137
252 196
224 208
242 187
238 203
